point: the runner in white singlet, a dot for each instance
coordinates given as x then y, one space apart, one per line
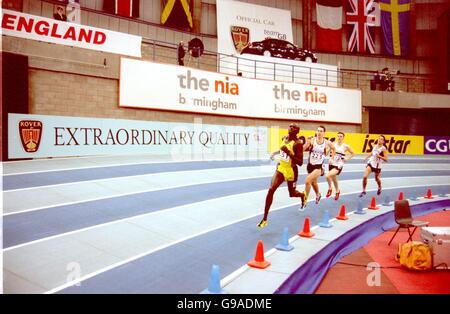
376 158
318 148
336 164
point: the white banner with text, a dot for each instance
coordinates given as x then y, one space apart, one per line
49 30
38 136
167 87
239 23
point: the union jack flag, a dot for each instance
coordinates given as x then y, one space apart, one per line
362 16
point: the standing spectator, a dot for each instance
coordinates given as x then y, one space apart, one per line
181 53
59 13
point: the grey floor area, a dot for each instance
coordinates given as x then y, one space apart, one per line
170 249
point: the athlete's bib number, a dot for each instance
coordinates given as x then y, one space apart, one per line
284 156
338 158
316 157
375 156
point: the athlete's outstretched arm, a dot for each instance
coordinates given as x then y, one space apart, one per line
384 155
307 144
352 153
331 149
272 156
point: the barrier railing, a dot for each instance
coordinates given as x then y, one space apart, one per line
239 65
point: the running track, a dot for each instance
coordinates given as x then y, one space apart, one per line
157 227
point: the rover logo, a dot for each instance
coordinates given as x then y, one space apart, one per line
30 134
240 36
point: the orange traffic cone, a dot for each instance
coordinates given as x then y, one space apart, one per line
400 196
429 194
342 213
373 204
306 233
258 261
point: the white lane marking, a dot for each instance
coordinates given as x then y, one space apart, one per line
130 163
211 169
162 161
151 190
135 176
127 194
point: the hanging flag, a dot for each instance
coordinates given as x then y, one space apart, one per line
15 5
126 8
395 26
177 13
329 25
361 16
73 11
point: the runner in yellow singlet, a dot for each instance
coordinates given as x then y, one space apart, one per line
291 155
284 165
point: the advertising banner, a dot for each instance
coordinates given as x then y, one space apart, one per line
70 34
361 143
37 136
240 23
437 145
167 87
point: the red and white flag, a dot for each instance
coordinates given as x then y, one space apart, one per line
127 8
329 25
362 16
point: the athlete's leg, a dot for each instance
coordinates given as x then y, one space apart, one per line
378 179
277 179
295 168
336 183
315 186
308 182
338 190
317 191
310 179
314 175
292 189
331 178
294 193
364 182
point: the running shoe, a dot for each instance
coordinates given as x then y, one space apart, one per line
262 224
379 191
318 197
329 192
304 200
336 197
362 194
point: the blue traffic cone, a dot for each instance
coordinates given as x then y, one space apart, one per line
325 223
359 209
415 197
284 244
387 201
214 282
